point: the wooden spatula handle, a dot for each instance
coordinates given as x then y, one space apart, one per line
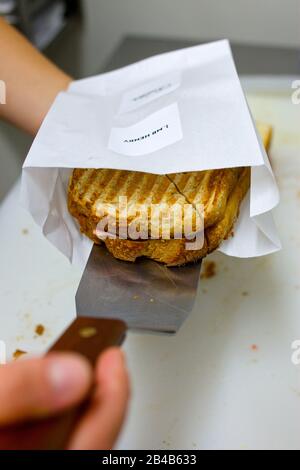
89 337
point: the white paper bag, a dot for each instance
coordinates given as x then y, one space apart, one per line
175 112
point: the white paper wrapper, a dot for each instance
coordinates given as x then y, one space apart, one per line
175 112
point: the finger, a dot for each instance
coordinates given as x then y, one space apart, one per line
100 426
36 388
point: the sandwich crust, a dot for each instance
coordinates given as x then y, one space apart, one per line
169 252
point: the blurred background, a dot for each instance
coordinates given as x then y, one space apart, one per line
87 37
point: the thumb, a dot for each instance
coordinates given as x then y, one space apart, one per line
35 388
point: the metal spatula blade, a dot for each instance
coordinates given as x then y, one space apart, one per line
145 295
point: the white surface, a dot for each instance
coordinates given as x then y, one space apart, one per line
205 387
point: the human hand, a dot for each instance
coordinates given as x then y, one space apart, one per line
34 389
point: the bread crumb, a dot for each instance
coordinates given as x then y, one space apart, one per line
245 293
254 347
18 353
25 231
209 270
39 330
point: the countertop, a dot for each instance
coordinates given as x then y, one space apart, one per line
249 59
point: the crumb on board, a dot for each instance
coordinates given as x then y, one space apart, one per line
208 270
254 347
135 297
25 231
245 293
18 353
39 330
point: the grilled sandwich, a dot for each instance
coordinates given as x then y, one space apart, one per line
116 207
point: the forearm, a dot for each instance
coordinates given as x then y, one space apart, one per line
32 81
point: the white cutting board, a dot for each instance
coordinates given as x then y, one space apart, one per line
226 379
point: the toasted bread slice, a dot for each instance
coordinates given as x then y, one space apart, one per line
174 252
209 188
215 234
266 132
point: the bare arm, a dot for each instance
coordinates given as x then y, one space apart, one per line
54 383
32 81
